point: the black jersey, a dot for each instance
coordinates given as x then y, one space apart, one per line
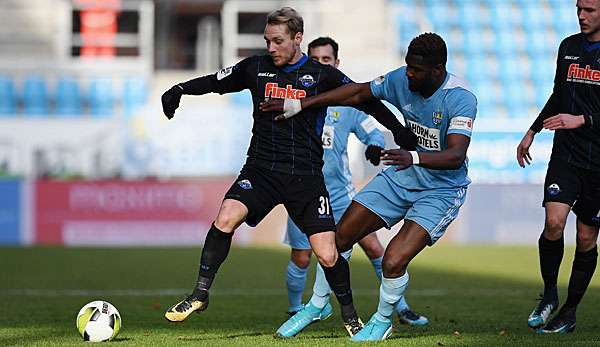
576 91
292 146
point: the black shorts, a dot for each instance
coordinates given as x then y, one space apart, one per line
305 198
579 188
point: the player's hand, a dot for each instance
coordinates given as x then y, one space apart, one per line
289 107
398 156
373 154
170 100
405 138
523 155
563 121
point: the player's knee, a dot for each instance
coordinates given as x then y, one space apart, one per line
301 259
327 258
554 227
394 266
230 216
586 240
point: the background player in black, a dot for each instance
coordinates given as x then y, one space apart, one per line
284 159
573 176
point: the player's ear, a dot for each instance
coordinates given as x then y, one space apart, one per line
337 63
298 38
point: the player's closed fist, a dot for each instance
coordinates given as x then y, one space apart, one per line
170 100
405 138
373 154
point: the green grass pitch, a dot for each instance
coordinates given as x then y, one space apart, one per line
473 296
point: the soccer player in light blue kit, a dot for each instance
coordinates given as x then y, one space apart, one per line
426 187
339 123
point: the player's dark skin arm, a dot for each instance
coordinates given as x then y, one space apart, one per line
449 159
359 96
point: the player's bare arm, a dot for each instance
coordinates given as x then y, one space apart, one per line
449 159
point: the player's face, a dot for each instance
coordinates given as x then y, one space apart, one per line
419 77
588 13
281 46
324 55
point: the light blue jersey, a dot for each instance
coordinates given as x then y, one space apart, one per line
339 124
450 110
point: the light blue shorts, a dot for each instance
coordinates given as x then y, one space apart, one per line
433 209
296 239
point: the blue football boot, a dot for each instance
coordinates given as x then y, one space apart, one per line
539 316
562 323
410 317
303 318
374 330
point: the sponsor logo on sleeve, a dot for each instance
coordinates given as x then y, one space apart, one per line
368 125
379 80
224 72
461 123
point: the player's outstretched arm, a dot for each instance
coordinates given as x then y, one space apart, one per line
227 80
449 159
345 95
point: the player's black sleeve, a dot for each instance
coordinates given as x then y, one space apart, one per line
552 107
227 80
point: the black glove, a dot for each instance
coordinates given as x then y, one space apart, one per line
170 100
373 154
405 138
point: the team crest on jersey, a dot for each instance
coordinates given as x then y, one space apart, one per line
245 184
307 81
335 115
437 117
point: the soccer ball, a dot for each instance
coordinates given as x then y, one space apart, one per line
99 321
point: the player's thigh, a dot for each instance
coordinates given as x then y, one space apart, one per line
357 222
256 189
294 237
307 202
435 209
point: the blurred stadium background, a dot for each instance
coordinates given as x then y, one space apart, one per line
87 158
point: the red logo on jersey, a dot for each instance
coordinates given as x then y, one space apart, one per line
274 91
587 73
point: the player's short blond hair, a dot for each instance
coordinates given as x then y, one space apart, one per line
289 17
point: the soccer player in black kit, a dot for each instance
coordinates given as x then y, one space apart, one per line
573 176
284 164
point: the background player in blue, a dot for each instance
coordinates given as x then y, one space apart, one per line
573 176
339 124
426 187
